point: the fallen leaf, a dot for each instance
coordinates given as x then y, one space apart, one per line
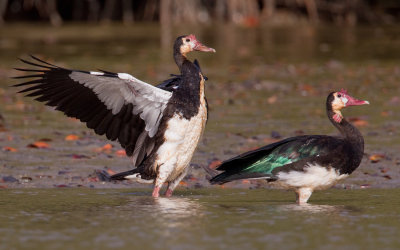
120 152
93 179
107 147
71 137
385 113
45 139
192 179
39 144
76 156
358 122
214 164
61 186
183 183
376 157
388 177
10 149
272 99
110 172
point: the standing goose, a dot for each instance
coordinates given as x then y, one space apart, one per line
303 163
159 127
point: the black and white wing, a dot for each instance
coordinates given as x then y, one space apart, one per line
115 104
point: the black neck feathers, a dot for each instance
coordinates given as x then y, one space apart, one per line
186 98
350 133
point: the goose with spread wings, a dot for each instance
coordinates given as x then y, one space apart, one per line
159 127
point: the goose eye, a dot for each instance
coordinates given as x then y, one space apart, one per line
187 40
339 95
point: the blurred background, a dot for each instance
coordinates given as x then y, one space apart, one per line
276 62
248 13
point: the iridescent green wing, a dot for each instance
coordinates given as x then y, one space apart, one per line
262 162
285 154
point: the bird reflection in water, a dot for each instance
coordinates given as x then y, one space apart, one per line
170 215
315 208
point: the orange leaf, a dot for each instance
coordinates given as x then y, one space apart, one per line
10 149
360 123
214 164
272 99
110 172
120 152
183 183
107 147
71 138
245 181
39 144
376 157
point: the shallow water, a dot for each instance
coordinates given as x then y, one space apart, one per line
198 219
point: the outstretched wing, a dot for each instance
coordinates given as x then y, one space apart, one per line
115 104
265 162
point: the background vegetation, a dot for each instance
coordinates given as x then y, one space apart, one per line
249 13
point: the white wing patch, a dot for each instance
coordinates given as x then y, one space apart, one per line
147 100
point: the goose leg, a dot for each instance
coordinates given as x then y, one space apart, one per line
173 184
302 195
164 171
156 191
168 192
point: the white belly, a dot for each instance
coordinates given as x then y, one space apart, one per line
181 139
314 177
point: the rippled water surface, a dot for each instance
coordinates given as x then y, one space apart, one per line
198 219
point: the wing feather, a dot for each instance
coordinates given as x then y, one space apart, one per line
115 104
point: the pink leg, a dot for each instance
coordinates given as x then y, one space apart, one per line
156 192
168 193
302 195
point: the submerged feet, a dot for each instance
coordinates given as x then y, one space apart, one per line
168 193
156 192
302 195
